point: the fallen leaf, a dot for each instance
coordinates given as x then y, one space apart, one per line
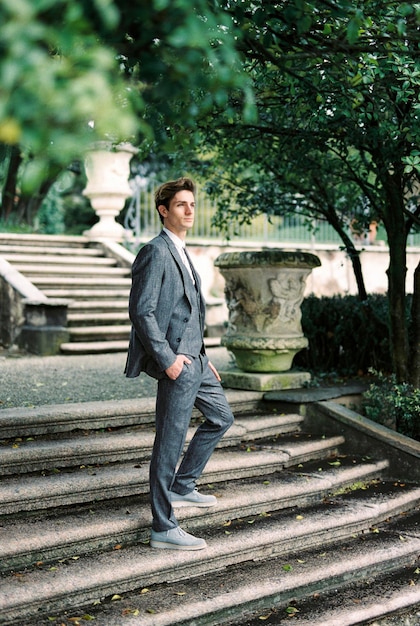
144 590
118 546
299 516
287 567
152 611
292 610
116 597
180 593
131 612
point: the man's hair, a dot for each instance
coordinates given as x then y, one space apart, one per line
167 191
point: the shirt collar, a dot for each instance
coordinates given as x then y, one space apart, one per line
177 241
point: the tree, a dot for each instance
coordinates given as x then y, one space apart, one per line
337 91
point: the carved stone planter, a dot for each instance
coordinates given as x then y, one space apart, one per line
264 290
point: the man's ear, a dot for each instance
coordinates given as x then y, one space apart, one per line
163 210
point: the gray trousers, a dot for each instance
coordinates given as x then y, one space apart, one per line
196 386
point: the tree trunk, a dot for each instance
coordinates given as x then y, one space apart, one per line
397 271
9 189
351 251
414 370
357 269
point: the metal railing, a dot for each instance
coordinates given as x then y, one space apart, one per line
143 221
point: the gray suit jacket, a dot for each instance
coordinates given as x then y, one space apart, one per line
161 302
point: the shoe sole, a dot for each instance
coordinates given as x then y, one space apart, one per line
165 545
177 504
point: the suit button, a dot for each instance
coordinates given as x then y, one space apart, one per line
185 320
178 340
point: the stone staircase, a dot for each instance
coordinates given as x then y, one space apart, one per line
308 524
92 276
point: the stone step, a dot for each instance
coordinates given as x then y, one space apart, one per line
136 444
95 306
99 527
71 282
61 418
49 241
308 588
97 318
91 294
94 347
392 598
315 539
100 347
27 249
101 333
46 260
33 271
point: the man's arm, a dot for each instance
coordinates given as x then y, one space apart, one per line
145 298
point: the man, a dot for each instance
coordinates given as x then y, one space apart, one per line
167 313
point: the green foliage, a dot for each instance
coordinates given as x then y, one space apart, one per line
128 67
64 209
49 219
388 401
55 78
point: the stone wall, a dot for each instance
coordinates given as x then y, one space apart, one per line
334 277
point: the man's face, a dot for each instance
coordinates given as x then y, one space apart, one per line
179 218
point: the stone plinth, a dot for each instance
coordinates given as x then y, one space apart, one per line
45 327
237 379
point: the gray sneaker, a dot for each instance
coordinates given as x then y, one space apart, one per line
176 539
194 498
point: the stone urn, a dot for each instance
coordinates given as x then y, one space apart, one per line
107 171
264 290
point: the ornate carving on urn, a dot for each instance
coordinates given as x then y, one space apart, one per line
264 291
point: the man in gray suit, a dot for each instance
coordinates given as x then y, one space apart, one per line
167 313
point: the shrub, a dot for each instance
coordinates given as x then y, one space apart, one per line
393 404
346 336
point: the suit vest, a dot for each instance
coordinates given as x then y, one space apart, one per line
192 339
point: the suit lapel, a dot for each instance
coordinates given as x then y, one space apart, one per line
188 286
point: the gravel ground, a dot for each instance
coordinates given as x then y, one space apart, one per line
34 381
